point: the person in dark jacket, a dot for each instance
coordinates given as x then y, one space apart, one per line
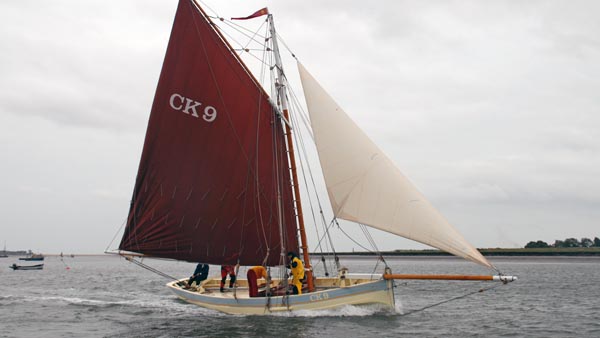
200 274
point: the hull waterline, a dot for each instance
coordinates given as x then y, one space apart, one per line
330 293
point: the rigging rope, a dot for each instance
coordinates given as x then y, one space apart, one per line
352 239
451 299
115 236
373 244
149 268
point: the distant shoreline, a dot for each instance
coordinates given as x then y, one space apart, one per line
594 251
485 252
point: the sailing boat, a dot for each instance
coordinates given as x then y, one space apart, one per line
33 257
3 254
218 182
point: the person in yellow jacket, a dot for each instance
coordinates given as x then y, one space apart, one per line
297 268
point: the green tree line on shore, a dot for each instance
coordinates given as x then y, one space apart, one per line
567 243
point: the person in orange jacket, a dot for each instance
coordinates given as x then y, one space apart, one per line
253 274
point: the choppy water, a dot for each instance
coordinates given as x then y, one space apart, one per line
109 297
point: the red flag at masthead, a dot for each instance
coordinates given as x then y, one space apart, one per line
256 14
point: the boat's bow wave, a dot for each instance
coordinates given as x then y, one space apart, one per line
344 311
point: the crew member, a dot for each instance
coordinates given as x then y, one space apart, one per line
225 270
200 274
254 273
297 272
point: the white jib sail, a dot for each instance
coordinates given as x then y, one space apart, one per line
364 186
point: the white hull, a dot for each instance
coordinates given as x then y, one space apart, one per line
331 293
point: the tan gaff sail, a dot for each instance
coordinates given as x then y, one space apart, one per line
364 186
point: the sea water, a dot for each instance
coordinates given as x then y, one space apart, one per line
106 296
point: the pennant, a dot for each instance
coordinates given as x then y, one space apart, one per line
256 14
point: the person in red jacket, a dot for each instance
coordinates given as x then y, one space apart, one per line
225 270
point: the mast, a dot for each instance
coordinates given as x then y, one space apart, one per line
280 86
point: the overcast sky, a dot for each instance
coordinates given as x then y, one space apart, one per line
492 109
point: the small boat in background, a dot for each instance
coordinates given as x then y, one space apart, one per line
3 253
33 257
27 267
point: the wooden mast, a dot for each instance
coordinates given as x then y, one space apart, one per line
288 132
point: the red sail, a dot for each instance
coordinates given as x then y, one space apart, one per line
214 159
